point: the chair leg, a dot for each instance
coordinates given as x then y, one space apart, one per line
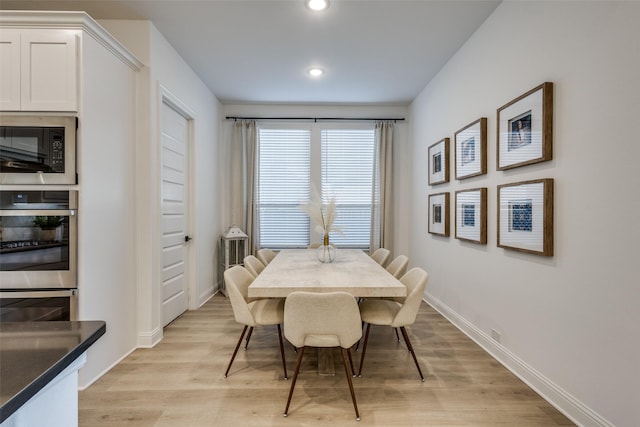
353 371
358 343
284 363
236 350
364 348
397 336
248 338
346 352
293 381
415 359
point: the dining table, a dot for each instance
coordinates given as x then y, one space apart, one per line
352 271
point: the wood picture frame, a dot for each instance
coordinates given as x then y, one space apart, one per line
438 216
438 167
470 146
525 129
525 216
471 215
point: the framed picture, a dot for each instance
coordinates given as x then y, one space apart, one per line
439 214
439 162
471 215
525 216
471 149
525 129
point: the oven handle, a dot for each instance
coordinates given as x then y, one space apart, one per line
38 294
38 212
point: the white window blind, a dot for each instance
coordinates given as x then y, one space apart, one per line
347 174
284 174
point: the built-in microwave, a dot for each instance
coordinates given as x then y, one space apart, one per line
38 239
37 149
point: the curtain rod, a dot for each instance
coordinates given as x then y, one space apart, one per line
315 119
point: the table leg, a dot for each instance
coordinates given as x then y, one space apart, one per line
326 366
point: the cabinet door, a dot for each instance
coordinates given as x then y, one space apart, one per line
49 69
9 70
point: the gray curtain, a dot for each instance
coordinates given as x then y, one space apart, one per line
381 197
244 177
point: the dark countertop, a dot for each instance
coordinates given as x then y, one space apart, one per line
34 353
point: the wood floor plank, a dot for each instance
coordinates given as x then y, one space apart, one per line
180 382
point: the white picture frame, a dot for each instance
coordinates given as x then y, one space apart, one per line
438 167
470 146
525 216
525 129
438 215
471 215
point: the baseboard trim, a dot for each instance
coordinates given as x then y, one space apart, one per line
571 407
110 367
149 339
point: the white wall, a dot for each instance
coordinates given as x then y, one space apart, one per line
106 247
132 307
568 323
171 72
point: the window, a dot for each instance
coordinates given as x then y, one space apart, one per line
347 174
284 176
338 161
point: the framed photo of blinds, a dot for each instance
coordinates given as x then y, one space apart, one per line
438 216
471 215
439 162
471 149
525 216
525 129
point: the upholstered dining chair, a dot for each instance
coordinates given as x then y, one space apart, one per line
265 255
395 314
252 313
398 266
253 264
381 255
328 319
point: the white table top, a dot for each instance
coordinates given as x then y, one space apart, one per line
353 271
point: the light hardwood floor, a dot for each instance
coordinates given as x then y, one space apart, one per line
180 382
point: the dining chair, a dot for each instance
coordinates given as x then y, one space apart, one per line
252 313
328 319
265 255
381 255
396 314
253 264
398 266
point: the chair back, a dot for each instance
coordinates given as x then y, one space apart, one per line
398 266
416 282
265 255
381 255
327 319
253 264
237 280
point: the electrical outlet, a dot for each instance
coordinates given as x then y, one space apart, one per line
495 335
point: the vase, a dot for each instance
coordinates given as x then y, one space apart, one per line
326 252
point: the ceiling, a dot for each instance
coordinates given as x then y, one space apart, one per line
258 51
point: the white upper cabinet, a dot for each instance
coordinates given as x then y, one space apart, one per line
38 70
9 70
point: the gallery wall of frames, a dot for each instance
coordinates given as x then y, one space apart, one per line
524 220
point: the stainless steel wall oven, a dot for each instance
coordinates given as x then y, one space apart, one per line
38 255
38 239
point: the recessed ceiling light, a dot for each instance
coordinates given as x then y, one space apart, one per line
317 5
316 72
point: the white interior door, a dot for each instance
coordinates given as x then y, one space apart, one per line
175 154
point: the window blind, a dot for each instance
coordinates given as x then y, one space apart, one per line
347 174
284 182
